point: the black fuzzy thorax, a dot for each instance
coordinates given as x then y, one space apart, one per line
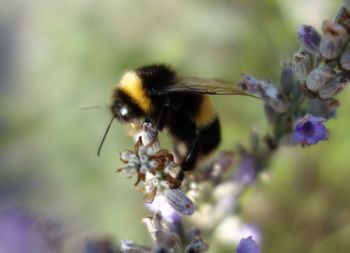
180 106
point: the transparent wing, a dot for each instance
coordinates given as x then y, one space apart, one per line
202 86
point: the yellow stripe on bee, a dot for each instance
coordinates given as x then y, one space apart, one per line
131 84
206 113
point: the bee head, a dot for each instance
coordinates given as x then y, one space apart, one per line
121 112
124 109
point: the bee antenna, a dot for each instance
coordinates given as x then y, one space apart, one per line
88 107
104 136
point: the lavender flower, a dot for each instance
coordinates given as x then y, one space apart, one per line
131 247
248 245
345 60
249 84
162 236
197 246
309 39
179 201
347 4
309 130
333 39
266 90
302 65
103 246
326 109
160 204
335 85
319 76
343 17
247 170
232 229
152 165
21 232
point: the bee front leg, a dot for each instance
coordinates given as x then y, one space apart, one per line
162 118
190 161
163 115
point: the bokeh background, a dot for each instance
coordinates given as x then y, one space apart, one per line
59 56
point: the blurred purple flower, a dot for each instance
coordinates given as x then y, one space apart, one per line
248 245
131 247
20 232
309 130
247 170
232 229
252 230
99 246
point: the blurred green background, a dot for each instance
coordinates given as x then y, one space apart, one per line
58 56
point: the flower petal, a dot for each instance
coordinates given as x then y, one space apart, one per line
248 245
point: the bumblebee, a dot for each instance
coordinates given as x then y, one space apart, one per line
156 94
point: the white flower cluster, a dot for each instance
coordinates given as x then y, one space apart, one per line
154 167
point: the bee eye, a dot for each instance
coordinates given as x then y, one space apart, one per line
124 111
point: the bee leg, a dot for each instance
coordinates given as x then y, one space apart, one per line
190 160
163 115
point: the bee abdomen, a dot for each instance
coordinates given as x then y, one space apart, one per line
205 114
209 137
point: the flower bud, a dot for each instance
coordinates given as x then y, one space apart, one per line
197 246
322 108
271 114
333 39
249 84
179 201
127 156
161 249
287 79
131 247
248 245
309 39
318 77
343 17
272 97
345 60
302 65
154 224
347 5
335 85
267 91
167 242
148 134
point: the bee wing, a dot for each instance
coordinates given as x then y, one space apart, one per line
203 86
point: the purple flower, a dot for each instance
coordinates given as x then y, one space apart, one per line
249 84
159 204
179 201
309 39
309 130
21 232
99 246
247 170
248 245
